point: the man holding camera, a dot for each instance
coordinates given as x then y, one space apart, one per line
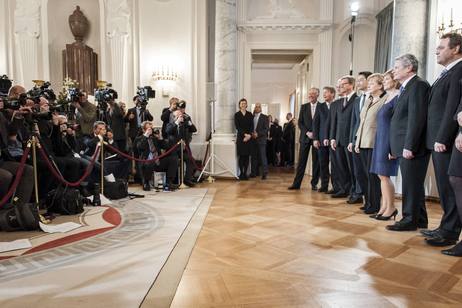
137 115
85 116
182 128
149 146
166 116
116 122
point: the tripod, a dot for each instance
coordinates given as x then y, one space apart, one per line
213 157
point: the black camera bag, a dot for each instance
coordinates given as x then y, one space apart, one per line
65 200
8 218
15 217
116 190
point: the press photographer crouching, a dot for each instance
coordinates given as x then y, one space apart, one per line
182 127
149 146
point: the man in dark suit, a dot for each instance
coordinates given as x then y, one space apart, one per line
407 141
442 130
321 136
359 169
288 140
455 172
259 135
331 121
340 131
166 115
135 116
305 123
116 122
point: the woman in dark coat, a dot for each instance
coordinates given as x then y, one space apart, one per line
243 120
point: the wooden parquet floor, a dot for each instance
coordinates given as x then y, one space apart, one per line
264 246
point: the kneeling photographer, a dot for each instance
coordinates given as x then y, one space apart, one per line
149 146
180 128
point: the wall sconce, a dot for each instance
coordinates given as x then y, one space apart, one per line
165 73
451 28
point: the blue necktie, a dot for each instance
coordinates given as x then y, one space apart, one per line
401 89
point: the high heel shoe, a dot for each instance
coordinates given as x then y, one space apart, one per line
388 217
375 215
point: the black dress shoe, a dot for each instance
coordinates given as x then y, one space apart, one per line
422 225
293 187
340 195
331 192
455 251
314 188
439 241
430 233
189 183
252 175
263 177
355 200
323 190
362 208
402 226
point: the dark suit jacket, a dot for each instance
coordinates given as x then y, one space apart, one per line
355 119
343 119
288 132
133 128
117 123
332 119
444 98
407 126
262 129
165 117
455 166
305 122
321 123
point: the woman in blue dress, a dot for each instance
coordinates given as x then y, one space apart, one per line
383 164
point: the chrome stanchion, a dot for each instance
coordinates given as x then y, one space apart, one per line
182 185
34 145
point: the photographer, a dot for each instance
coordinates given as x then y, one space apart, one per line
166 116
182 128
135 116
116 122
149 146
85 116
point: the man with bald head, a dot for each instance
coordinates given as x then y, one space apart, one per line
259 135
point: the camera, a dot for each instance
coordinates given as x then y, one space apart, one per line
144 94
16 103
43 89
104 95
5 85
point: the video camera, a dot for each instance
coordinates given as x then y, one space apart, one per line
41 89
144 94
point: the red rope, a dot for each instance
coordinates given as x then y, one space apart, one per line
191 158
142 160
60 177
17 178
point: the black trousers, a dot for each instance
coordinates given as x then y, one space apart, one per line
168 164
259 158
8 170
456 184
315 168
360 172
334 170
413 173
371 182
344 165
323 162
302 161
450 225
243 164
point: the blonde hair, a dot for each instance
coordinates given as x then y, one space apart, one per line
392 76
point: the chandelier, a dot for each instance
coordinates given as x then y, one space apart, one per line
451 27
165 72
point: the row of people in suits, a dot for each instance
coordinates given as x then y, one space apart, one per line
397 119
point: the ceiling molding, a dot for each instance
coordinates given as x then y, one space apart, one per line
285 27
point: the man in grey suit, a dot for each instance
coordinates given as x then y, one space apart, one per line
407 142
260 136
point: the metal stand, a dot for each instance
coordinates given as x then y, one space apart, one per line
182 185
213 157
102 166
34 164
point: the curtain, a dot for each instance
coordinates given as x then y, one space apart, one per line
383 39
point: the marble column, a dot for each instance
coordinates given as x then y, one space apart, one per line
410 24
26 38
225 65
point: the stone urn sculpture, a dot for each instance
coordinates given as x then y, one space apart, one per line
79 24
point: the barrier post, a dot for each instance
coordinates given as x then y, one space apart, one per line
34 144
182 185
102 165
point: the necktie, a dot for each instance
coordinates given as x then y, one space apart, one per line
313 110
401 90
443 72
344 102
361 102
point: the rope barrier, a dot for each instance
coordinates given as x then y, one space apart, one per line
191 158
60 177
166 153
17 178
